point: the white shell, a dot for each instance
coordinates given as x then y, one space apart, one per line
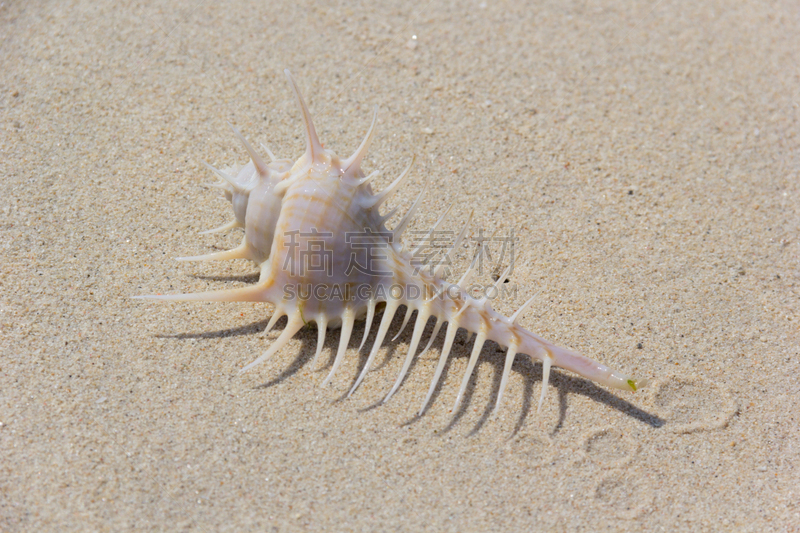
321 202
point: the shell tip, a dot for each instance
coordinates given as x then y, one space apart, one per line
636 384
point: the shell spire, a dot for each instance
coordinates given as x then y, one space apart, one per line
311 226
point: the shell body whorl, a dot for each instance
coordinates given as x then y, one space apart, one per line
261 219
326 256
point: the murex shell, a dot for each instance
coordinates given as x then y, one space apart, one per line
326 256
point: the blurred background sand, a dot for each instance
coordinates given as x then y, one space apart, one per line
646 156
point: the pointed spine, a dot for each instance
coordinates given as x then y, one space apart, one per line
252 293
292 327
471 269
354 161
428 235
377 200
230 180
372 176
473 358
386 321
512 352
240 252
515 317
388 216
502 279
348 318
368 324
277 315
225 227
259 163
272 157
452 329
313 146
403 224
419 327
546 363
409 311
322 327
448 258
435 333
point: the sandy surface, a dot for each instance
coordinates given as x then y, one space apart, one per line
646 155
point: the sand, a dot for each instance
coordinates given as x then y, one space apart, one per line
645 155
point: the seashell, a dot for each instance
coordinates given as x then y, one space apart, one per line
305 221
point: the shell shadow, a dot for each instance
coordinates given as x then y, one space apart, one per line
304 357
492 354
240 278
405 340
252 328
563 383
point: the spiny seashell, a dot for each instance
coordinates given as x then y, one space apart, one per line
324 207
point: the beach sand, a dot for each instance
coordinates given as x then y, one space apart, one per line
645 155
